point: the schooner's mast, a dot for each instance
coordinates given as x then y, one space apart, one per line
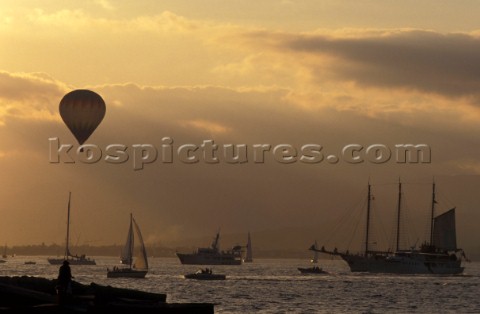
398 213
432 217
368 221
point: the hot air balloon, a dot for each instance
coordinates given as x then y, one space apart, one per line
82 111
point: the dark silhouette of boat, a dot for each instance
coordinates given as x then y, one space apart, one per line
205 274
312 270
439 256
72 259
212 255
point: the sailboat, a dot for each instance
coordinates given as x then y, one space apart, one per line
5 251
439 256
134 270
249 254
72 259
314 260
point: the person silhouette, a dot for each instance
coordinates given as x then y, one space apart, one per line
64 286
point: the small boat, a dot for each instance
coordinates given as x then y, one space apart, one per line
72 259
134 270
126 273
30 263
312 270
205 274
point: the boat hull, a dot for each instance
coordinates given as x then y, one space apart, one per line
205 276
126 273
317 271
208 259
416 263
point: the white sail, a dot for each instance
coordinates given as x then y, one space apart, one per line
444 233
141 261
315 254
127 252
249 256
133 255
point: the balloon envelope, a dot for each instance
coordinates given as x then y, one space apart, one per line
82 111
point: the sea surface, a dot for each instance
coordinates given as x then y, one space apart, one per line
276 286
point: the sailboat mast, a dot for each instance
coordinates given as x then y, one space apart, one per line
249 249
368 221
432 217
398 213
67 251
130 258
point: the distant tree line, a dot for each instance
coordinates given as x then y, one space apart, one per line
160 251
155 250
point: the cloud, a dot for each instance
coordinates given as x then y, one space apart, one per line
471 166
418 60
29 96
82 21
209 126
105 4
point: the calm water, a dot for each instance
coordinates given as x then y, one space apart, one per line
276 286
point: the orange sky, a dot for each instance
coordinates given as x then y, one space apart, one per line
280 72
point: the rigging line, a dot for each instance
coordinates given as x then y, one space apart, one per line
405 223
384 184
382 225
417 183
352 217
345 217
343 230
408 223
356 226
347 235
443 197
392 237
